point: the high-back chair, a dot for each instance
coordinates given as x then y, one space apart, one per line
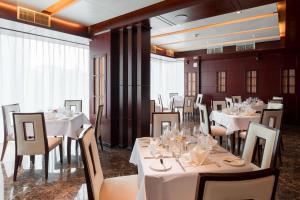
237 99
277 98
159 118
218 105
205 126
76 106
229 102
256 132
198 100
73 105
188 106
98 124
152 109
260 184
31 139
274 105
160 102
8 125
123 187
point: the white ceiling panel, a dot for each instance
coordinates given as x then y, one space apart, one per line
37 5
200 34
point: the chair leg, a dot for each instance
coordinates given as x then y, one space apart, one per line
17 161
4 148
20 161
221 140
101 144
46 164
32 159
279 153
77 144
61 153
239 145
69 142
232 143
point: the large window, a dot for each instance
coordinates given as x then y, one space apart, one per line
192 84
221 81
40 73
288 81
167 76
251 81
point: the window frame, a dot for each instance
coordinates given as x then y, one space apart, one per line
219 90
288 84
251 81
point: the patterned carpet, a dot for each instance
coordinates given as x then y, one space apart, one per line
67 181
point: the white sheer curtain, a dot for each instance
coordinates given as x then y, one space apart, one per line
40 73
167 76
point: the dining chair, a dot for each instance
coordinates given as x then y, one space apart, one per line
206 128
218 105
122 187
229 102
188 107
237 99
271 118
274 105
98 135
152 109
277 98
160 102
7 111
73 105
171 95
31 139
255 133
162 120
261 184
198 100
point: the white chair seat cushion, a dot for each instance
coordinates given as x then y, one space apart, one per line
53 142
243 134
117 188
218 131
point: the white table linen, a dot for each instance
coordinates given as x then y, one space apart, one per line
67 126
178 101
174 184
233 122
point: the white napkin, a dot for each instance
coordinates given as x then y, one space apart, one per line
198 155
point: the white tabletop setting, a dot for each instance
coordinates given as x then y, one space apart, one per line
178 101
64 123
236 118
168 167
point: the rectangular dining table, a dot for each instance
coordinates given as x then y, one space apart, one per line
178 183
66 126
233 123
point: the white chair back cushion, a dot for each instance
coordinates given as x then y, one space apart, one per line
277 98
92 162
229 102
237 99
160 118
272 118
7 112
272 105
260 188
188 105
73 105
30 133
270 135
218 105
199 99
204 121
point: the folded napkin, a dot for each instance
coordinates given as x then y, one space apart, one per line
198 155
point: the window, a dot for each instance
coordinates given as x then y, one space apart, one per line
221 81
251 81
99 81
288 81
191 84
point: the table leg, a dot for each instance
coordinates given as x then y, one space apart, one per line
232 143
69 142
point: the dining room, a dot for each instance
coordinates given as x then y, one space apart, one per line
149 100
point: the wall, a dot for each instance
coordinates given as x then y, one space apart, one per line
269 66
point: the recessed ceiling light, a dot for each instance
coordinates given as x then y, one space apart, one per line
238 12
181 17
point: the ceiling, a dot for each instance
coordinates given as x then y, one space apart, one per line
88 12
30 29
259 24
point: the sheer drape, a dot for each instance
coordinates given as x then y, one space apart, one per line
40 73
167 76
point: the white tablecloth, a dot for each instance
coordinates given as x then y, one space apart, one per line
174 184
233 122
67 126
